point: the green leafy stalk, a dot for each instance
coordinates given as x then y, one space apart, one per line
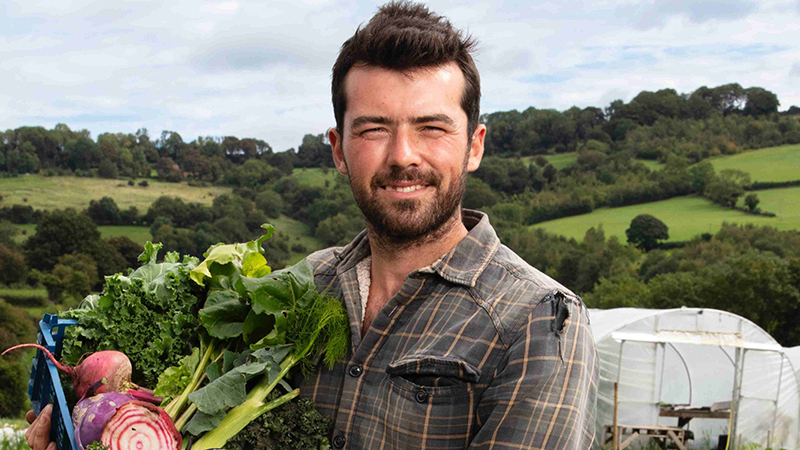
184 418
254 406
321 329
283 320
176 406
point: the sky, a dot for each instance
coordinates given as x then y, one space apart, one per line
261 69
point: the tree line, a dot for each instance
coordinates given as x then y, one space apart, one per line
652 125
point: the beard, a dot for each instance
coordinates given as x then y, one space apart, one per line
410 222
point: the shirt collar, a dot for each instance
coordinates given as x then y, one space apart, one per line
463 264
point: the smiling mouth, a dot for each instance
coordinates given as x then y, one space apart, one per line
413 188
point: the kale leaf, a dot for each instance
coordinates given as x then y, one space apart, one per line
293 425
150 315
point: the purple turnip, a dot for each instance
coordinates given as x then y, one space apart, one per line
90 415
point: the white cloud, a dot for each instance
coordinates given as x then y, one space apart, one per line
220 8
255 69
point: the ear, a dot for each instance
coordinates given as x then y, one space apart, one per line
476 148
336 147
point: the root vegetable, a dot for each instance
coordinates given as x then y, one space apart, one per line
90 415
140 425
114 366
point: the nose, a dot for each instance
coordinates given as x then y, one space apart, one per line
404 149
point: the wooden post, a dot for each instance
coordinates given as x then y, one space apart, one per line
616 429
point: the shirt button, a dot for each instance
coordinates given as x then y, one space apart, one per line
421 396
338 441
355 371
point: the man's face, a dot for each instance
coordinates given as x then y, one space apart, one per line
405 147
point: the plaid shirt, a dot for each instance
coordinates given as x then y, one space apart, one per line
478 350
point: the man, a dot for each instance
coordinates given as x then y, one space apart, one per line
456 341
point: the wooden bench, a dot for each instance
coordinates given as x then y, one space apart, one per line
659 433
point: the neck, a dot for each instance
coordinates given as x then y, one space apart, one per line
392 262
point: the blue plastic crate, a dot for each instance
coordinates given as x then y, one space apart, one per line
45 387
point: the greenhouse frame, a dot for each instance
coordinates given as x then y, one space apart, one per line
700 363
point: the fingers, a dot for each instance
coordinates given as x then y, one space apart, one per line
52 446
30 416
38 434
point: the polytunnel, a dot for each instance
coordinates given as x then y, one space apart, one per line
718 371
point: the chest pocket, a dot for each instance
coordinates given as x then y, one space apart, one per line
436 376
432 403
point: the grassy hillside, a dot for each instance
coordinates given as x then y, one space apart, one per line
773 164
48 193
686 217
783 202
295 233
316 177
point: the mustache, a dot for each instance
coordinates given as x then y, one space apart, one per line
414 174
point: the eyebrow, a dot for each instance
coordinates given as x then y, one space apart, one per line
434 118
363 120
382 120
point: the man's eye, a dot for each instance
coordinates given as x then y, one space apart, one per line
371 131
432 129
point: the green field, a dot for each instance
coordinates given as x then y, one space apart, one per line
316 177
135 233
294 232
784 202
650 164
774 164
686 217
26 292
72 192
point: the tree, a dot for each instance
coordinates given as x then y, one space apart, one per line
104 212
760 102
128 249
752 201
74 275
59 233
108 169
8 232
702 174
12 266
478 194
645 231
16 327
270 202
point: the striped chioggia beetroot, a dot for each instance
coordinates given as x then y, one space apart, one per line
112 365
90 415
140 425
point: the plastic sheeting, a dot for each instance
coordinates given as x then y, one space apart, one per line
688 356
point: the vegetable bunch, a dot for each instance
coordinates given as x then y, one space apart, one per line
220 336
261 326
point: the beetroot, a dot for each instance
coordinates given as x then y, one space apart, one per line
112 365
90 415
140 425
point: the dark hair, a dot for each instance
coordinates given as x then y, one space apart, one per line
404 36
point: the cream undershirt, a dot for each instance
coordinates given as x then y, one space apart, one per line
364 274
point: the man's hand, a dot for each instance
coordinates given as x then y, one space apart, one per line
38 434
